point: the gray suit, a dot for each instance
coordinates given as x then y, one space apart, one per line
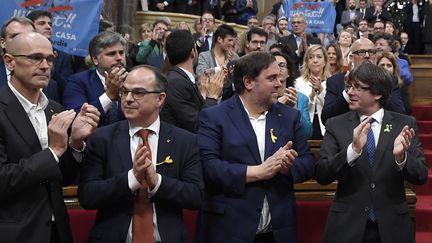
360 187
346 18
207 60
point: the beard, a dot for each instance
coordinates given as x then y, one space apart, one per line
352 7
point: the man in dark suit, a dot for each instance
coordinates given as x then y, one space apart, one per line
10 29
184 99
253 150
351 16
370 151
36 160
414 17
63 64
121 165
298 41
204 41
336 99
377 12
100 86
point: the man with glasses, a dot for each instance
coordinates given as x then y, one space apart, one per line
378 27
141 172
9 30
36 157
100 86
336 99
371 152
205 40
298 41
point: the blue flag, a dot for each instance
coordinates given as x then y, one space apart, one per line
320 16
75 22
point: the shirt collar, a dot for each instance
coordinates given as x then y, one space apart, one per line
378 116
262 115
189 74
154 127
27 105
101 77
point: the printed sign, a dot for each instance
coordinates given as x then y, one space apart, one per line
320 16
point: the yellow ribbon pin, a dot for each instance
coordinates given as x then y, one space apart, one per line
272 136
167 160
388 128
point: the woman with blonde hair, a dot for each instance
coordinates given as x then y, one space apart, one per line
312 82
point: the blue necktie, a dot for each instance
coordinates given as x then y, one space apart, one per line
113 113
370 146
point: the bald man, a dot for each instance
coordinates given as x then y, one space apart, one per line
336 99
36 158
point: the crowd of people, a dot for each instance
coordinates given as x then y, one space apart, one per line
213 120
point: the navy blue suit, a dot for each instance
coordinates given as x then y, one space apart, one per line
228 145
335 104
84 87
104 182
62 69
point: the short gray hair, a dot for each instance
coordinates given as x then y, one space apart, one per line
103 40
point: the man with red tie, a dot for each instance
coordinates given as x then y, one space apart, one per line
141 172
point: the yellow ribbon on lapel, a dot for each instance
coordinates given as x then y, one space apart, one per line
272 136
167 160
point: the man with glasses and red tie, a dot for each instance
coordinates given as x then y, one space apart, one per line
141 172
336 99
371 152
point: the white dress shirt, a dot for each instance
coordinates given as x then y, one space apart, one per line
105 101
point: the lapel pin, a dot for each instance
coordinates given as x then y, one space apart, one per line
388 128
168 140
167 160
272 136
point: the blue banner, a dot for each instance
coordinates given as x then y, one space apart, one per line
75 22
320 16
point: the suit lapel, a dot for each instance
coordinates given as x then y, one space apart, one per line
96 83
384 140
272 132
362 161
164 151
123 145
18 117
240 120
192 85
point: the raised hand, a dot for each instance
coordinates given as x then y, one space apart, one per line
113 81
57 131
84 125
360 135
402 143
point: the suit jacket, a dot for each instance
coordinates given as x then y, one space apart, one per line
183 102
360 187
291 42
228 144
371 18
346 18
30 179
104 182
62 69
335 104
84 87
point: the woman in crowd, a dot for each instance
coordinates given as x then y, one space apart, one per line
345 40
146 31
391 28
388 61
312 82
288 94
334 58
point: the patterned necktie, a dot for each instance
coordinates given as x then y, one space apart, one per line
113 113
142 231
370 146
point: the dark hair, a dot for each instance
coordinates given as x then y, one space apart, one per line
21 20
290 66
257 31
160 82
223 31
104 25
207 12
250 65
378 79
35 14
179 46
103 40
386 36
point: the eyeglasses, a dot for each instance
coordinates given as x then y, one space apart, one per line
363 52
136 93
255 42
37 58
356 87
207 19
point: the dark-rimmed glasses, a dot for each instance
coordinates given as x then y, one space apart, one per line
363 52
136 93
37 58
356 87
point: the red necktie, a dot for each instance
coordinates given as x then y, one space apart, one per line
142 227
